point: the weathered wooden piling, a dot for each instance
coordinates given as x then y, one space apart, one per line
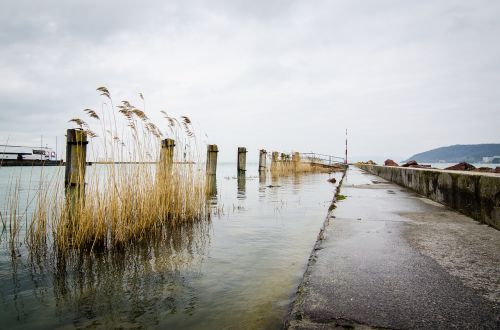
167 151
212 159
164 169
242 159
76 158
211 171
262 160
74 175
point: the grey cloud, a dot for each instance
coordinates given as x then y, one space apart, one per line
402 76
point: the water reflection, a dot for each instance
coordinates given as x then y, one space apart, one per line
211 189
262 177
241 186
296 183
16 293
132 286
262 185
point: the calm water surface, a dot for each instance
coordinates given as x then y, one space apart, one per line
238 271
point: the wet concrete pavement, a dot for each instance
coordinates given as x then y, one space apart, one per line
388 258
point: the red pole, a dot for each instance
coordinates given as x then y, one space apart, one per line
345 159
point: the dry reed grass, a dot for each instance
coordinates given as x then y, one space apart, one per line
285 165
122 203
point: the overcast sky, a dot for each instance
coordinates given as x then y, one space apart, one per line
402 76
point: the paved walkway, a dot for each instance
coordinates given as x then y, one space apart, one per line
389 258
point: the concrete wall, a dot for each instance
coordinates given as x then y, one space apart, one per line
474 194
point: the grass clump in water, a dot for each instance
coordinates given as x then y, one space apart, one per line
341 197
131 193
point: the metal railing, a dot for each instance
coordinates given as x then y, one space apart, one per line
311 157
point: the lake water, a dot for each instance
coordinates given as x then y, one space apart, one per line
238 271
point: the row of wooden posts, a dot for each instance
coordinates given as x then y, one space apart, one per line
76 154
212 151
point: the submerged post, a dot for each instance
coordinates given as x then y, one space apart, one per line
262 160
76 158
242 159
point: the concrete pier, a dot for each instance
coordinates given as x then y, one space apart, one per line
474 194
389 258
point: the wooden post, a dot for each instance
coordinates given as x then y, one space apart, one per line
167 151
262 160
212 159
74 175
242 159
166 160
76 158
211 183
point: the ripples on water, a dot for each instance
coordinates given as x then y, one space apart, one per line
239 270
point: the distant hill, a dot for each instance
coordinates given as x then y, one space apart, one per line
471 153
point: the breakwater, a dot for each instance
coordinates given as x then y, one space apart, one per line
474 194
